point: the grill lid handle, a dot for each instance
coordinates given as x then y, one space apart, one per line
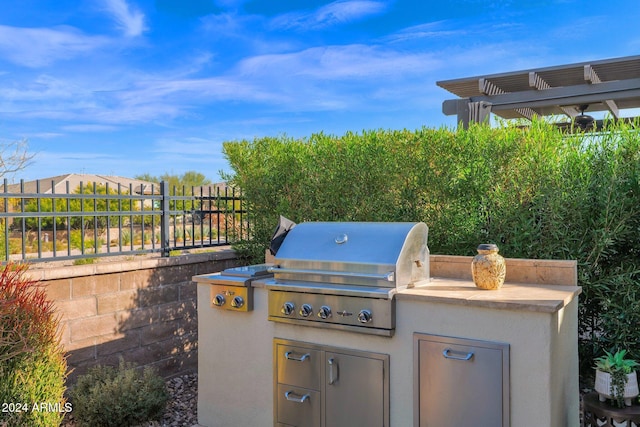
388 276
341 238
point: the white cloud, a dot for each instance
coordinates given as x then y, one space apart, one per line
341 62
314 79
91 128
136 101
130 20
43 135
41 88
182 92
336 13
38 47
429 30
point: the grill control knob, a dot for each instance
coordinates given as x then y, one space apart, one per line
306 310
237 302
364 316
324 312
287 308
219 300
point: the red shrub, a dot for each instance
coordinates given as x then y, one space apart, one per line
33 367
28 317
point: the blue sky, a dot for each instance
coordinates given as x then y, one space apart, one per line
126 87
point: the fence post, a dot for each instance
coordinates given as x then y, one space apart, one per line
164 221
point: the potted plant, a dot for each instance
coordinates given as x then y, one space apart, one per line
616 378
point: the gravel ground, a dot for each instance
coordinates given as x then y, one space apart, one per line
183 404
181 408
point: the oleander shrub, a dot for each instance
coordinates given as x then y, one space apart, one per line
536 192
108 396
33 367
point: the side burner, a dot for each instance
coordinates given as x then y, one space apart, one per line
231 289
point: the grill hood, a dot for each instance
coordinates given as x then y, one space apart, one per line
380 254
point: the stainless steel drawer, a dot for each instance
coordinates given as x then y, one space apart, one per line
298 407
299 366
460 382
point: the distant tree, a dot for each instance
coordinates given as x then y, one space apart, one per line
77 205
14 156
188 179
180 185
148 177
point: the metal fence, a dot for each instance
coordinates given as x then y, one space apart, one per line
96 220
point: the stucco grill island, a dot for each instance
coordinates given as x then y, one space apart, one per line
360 325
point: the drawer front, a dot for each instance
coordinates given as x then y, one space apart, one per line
299 366
298 407
462 382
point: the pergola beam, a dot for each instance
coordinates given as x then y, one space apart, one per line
569 95
489 88
537 82
591 76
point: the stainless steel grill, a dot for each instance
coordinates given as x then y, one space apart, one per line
344 275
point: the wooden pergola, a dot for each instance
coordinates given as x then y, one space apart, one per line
608 85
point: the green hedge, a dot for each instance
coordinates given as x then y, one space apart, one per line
536 192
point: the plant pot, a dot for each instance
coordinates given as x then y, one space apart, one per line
603 386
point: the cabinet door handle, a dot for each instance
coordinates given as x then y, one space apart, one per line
291 397
289 356
333 371
449 354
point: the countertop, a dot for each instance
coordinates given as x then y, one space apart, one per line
512 296
544 286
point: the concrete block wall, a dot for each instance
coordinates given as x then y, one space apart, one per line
141 309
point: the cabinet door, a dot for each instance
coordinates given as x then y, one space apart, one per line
355 391
462 383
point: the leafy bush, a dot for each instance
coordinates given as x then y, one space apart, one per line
85 261
126 237
115 397
32 364
536 192
100 202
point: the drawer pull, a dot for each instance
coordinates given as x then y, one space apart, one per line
291 397
289 356
449 354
